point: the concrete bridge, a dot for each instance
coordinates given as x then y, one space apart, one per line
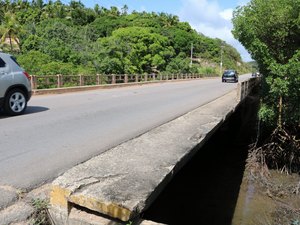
118 185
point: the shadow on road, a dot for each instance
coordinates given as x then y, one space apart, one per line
35 109
29 110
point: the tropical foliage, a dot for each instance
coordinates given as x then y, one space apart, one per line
56 38
270 30
275 45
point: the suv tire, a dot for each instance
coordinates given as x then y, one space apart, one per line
15 102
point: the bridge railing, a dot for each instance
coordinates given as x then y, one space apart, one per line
59 81
245 87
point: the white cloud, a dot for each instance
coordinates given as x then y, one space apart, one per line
226 14
201 10
208 18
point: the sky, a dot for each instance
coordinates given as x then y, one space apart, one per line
209 17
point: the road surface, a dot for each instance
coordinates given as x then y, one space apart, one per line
60 131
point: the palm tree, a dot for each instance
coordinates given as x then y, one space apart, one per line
10 30
114 11
124 10
168 20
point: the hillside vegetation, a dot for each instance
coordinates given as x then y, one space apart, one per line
56 38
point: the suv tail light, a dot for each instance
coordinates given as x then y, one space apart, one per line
27 75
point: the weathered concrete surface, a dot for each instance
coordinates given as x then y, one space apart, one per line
42 193
18 210
124 181
16 213
8 195
81 217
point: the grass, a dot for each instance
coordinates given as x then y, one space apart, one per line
41 215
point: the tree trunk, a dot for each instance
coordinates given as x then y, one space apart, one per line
280 113
10 42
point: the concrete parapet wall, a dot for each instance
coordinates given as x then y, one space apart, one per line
123 182
245 87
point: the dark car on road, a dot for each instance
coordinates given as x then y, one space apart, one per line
230 76
255 74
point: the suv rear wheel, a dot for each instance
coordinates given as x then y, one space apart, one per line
15 102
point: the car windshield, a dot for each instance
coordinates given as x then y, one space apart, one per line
228 73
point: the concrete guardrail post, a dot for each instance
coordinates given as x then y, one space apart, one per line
238 95
98 79
113 79
242 90
81 80
33 81
59 81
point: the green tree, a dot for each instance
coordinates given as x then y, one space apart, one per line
32 61
181 40
168 20
139 49
270 31
274 44
179 64
10 30
104 40
124 10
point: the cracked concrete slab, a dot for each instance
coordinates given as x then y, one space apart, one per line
122 182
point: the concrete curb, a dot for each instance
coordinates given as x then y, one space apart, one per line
122 182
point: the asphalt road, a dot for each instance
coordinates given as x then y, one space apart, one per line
60 131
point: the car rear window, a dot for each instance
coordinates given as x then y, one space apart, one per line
15 60
228 73
2 63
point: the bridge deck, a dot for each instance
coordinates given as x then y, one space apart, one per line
122 182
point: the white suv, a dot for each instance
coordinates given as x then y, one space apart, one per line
15 87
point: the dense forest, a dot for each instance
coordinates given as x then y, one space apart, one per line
56 38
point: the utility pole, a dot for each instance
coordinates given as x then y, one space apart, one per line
221 63
191 63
